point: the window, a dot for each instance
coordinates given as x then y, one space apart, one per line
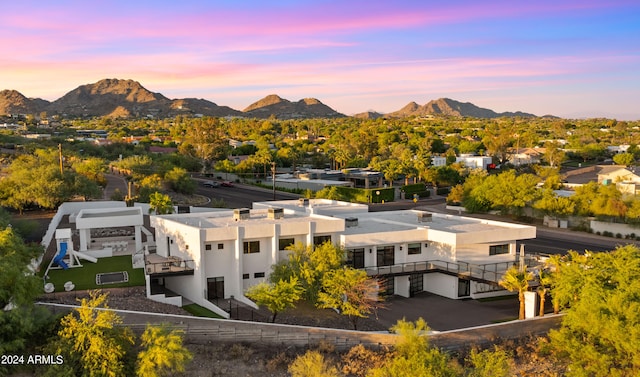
258 275
414 248
207 246
355 258
283 243
499 249
385 256
319 240
251 247
245 276
416 284
220 246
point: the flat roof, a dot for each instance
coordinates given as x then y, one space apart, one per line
392 221
87 214
224 219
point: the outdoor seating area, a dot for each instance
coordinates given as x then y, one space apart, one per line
116 246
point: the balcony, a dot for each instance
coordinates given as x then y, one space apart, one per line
158 266
490 273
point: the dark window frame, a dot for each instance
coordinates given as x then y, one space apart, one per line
289 242
319 240
355 258
499 249
251 247
385 256
414 248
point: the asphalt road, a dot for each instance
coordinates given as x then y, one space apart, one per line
241 196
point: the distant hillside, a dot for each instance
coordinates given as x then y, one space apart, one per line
128 98
14 102
368 115
284 109
449 107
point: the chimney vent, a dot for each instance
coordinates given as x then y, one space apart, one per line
275 213
351 222
241 214
425 217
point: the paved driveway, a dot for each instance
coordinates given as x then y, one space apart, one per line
444 314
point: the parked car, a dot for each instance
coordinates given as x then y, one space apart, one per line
227 184
210 184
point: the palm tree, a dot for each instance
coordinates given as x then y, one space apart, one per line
516 280
546 279
553 263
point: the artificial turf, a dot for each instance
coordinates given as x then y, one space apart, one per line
85 277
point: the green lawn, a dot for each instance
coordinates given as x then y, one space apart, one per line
200 311
85 277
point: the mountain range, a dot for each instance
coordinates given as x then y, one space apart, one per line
128 98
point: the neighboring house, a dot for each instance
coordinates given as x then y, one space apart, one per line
411 251
625 179
526 156
438 161
616 173
616 149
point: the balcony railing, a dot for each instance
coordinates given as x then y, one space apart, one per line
490 272
158 265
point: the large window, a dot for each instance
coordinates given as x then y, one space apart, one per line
250 247
499 249
319 240
355 258
414 248
416 284
385 256
283 243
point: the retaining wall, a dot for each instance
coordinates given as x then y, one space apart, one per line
209 330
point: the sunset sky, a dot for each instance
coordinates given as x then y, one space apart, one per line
574 58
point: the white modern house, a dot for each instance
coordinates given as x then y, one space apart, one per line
206 257
475 162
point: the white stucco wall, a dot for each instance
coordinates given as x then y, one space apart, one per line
441 284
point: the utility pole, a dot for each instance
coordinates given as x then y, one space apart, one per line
273 178
60 154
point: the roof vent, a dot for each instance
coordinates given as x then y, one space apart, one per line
425 217
351 222
304 202
275 213
241 214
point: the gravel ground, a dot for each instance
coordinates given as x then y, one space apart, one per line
133 298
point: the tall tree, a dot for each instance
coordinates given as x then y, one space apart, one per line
600 331
309 264
351 292
92 336
205 139
276 297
